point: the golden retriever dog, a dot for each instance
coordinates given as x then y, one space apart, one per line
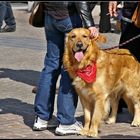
101 77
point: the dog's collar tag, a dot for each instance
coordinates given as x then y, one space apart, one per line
88 74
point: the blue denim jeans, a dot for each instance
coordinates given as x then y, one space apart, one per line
55 31
6 14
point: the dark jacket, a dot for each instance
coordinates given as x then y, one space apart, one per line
129 8
63 9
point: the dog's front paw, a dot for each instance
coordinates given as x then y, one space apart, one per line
92 134
84 132
135 123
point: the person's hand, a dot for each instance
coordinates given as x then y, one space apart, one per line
113 8
93 32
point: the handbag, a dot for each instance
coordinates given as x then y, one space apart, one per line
37 17
136 16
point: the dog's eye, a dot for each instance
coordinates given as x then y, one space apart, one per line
73 36
85 36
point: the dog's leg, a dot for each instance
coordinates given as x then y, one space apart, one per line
98 114
87 115
136 101
129 103
114 108
136 120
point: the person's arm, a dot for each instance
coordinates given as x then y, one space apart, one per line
84 10
113 8
85 13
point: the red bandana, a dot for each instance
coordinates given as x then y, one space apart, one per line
88 74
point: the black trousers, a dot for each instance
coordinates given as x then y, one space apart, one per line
104 23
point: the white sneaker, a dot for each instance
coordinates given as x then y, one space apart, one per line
40 124
69 129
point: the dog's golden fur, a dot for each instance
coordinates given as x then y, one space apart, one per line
118 76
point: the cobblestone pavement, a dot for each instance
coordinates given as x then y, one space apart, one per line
21 60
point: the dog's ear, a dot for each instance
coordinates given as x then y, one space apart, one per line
101 38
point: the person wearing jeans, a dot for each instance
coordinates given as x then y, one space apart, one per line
60 18
6 15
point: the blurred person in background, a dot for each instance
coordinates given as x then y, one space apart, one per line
104 22
7 16
128 30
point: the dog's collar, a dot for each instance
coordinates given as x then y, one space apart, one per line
88 74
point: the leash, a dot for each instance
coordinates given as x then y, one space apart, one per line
126 42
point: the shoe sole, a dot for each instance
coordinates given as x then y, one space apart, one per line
39 129
8 30
52 126
44 128
66 134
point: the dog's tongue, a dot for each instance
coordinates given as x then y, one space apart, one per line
78 56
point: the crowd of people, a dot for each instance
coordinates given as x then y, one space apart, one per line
61 18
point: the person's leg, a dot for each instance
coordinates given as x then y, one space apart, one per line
2 12
67 103
67 100
67 97
9 16
104 23
44 100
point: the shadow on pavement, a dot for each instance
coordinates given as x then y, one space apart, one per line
26 110
29 77
17 107
120 136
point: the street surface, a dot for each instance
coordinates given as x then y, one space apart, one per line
21 60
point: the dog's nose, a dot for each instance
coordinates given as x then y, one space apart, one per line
79 44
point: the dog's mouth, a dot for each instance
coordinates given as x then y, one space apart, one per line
79 54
